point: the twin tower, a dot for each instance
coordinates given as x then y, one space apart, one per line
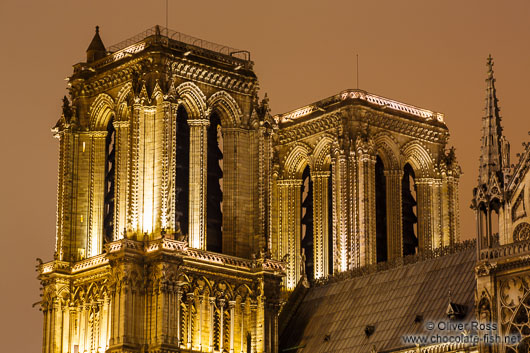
186 213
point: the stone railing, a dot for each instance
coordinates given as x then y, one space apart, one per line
53 266
398 262
90 263
505 251
162 244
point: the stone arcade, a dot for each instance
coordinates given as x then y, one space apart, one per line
189 219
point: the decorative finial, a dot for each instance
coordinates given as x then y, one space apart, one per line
97 29
490 63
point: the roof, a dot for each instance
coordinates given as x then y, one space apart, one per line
335 317
365 98
96 44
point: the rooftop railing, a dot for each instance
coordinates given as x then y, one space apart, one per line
183 38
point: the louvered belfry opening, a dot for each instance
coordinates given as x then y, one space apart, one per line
182 170
380 205
214 190
110 153
330 223
307 222
410 220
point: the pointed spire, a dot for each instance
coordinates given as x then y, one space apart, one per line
96 50
492 139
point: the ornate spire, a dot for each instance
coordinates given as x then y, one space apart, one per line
492 139
96 50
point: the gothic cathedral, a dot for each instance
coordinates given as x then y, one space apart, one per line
189 219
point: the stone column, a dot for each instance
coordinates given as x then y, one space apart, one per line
166 175
341 231
366 201
394 213
134 153
211 301
121 178
439 200
190 298
198 181
242 332
221 324
231 306
289 201
424 208
320 222
179 318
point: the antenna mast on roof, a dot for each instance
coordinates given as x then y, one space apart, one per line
357 71
167 17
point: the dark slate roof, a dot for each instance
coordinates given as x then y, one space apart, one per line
333 317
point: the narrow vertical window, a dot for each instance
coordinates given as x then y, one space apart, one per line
182 173
110 153
380 212
307 223
214 191
410 220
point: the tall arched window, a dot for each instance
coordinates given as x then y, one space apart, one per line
182 173
214 191
380 211
306 192
410 220
110 153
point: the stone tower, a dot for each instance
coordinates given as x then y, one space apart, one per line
160 225
359 179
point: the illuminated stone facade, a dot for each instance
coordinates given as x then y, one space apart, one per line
186 213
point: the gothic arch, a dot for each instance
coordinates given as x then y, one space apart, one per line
321 156
419 158
123 100
157 97
227 106
296 160
100 112
388 149
193 98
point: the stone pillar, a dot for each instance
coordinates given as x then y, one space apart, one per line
179 315
366 201
64 195
121 178
211 301
166 174
242 332
341 229
198 182
96 193
231 306
424 187
320 222
439 200
190 298
134 151
221 324
290 203
394 213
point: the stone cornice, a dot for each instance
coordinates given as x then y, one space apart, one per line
175 68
